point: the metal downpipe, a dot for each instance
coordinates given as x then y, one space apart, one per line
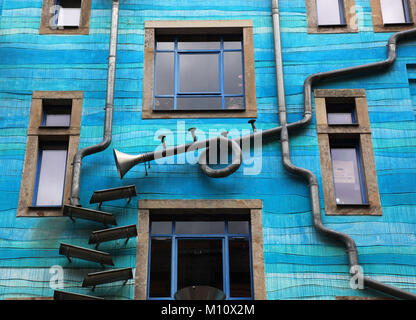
312 180
109 106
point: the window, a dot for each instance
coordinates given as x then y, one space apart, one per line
68 13
348 171
200 251
56 112
330 12
341 112
185 243
393 15
199 73
65 17
394 11
199 69
52 141
50 180
331 16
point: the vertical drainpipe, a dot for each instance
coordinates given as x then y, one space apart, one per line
310 177
109 106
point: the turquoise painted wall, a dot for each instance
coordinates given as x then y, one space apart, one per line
299 263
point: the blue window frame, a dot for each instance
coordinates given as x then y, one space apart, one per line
199 72
395 12
50 175
185 252
341 111
348 174
330 13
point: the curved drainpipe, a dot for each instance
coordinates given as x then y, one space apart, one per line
108 121
312 180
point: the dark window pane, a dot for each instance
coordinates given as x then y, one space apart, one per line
164 104
200 263
340 118
200 227
164 73
70 3
160 267
346 176
199 73
51 177
234 103
233 73
201 103
392 11
240 279
162 227
238 227
328 12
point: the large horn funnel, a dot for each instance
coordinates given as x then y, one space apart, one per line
125 162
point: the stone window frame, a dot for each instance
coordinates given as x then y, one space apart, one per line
378 25
146 207
350 16
84 26
362 130
151 28
35 134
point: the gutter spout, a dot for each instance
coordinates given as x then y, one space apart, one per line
109 106
348 242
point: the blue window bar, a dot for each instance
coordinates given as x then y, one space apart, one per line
205 252
199 72
348 174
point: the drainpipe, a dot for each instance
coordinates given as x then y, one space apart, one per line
310 177
108 121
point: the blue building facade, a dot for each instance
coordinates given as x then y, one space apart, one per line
298 262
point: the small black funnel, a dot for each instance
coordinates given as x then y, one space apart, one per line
199 293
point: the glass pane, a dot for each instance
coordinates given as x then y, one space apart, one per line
199 73
199 42
236 44
238 227
164 73
328 12
234 103
201 103
233 73
51 177
58 120
165 44
164 104
200 263
162 227
340 118
240 279
200 227
160 267
346 176
392 11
